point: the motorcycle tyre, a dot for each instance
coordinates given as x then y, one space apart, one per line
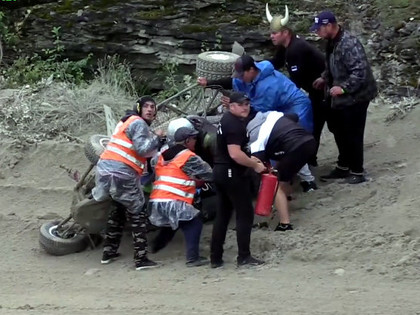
95 146
57 246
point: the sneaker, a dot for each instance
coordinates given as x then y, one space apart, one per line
336 174
200 261
308 186
284 227
146 263
217 264
354 179
249 261
108 258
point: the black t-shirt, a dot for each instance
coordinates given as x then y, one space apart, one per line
285 137
231 130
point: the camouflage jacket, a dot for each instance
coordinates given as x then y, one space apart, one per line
348 67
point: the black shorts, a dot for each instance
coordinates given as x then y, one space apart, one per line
292 162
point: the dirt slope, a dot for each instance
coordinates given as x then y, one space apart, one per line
355 250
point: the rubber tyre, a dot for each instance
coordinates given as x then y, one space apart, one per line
95 146
214 65
57 246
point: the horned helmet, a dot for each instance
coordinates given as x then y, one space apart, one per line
278 21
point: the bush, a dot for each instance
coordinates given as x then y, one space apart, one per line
53 109
31 70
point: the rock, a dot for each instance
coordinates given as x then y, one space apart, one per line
92 271
403 260
378 241
149 33
339 272
382 270
49 216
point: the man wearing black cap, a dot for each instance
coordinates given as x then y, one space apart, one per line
233 182
171 201
351 85
305 63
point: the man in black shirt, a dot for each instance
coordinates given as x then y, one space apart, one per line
305 63
277 136
233 182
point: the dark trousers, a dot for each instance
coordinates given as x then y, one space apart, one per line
192 233
233 192
322 113
114 231
349 129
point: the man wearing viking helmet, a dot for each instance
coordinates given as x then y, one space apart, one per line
304 62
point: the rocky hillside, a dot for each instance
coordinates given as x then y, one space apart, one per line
148 33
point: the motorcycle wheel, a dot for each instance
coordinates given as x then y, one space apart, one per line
95 146
55 245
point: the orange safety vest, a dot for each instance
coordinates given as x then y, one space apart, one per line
120 147
171 182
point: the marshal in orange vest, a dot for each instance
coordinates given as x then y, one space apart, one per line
171 182
120 147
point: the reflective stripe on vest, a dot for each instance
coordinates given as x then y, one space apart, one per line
120 147
175 180
122 143
125 155
173 190
171 181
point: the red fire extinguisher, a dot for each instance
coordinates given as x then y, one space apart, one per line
266 193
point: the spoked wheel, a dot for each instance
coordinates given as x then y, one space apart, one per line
61 241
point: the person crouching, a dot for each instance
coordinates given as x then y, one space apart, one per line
171 201
278 137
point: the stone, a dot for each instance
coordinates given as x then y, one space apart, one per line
339 272
48 216
148 33
92 271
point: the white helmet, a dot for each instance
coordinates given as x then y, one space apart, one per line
174 125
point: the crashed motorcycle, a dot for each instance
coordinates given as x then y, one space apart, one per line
86 222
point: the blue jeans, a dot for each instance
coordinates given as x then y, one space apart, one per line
192 232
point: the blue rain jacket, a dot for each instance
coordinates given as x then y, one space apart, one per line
271 90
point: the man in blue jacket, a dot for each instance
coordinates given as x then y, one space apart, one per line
270 90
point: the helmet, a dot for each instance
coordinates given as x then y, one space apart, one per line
278 21
174 125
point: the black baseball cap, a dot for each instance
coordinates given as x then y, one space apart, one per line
243 63
324 18
238 97
184 133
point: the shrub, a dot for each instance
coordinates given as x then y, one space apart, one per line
31 70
